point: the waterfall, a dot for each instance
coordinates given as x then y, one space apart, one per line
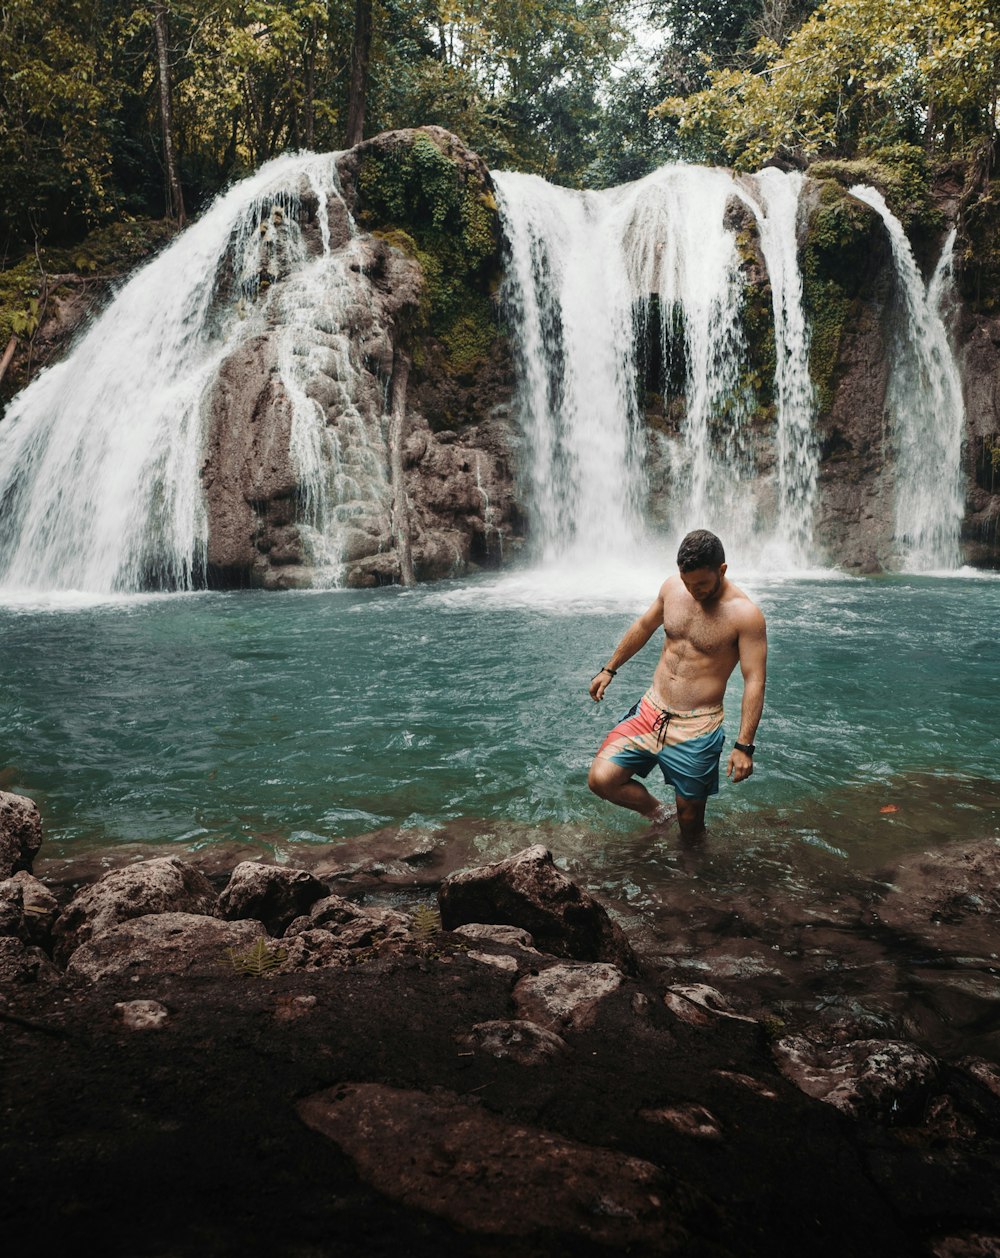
567 294
796 447
587 272
100 455
926 409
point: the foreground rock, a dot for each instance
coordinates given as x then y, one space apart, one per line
882 1079
488 1175
28 909
164 943
20 833
272 894
527 890
165 885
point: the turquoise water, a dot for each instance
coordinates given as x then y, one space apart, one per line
308 717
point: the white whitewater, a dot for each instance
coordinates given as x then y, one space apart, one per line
100 456
570 304
926 408
795 439
586 273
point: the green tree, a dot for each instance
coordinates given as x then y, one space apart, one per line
857 75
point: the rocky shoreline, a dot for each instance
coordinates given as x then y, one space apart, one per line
282 1060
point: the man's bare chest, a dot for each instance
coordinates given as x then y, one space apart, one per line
699 633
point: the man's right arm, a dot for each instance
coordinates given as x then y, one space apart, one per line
636 636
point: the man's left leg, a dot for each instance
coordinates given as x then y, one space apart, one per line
691 819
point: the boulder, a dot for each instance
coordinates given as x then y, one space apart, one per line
272 894
701 1005
24 963
313 950
142 1015
20 833
163 885
880 1079
511 935
352 925
165 943
485 1175
27 909
567 994
527 890
517 1040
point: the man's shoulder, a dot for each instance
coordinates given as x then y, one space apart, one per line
742 607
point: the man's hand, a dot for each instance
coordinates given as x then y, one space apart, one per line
740 765
598 686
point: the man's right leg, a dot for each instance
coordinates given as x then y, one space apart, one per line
615 783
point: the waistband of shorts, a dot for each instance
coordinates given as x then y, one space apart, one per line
714 710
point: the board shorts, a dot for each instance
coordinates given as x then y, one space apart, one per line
686 746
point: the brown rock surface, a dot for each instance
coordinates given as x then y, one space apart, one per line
273 894
488 1175
155 886
164 943
20 833
527 890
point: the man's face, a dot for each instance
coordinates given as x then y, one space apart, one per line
703 583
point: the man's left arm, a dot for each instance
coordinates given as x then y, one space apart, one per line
753 666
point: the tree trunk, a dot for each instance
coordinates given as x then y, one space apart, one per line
175 197
360 53
310 102
8 354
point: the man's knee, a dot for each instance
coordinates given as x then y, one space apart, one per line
602 777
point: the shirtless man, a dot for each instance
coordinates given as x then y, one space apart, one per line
710 626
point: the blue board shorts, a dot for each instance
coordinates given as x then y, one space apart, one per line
686 746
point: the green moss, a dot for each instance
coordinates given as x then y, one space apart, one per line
845 243
979 250
900 172
423 202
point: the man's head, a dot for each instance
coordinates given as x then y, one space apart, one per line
701 560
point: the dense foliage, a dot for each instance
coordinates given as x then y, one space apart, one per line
101 100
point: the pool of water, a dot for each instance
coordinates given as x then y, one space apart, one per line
310 717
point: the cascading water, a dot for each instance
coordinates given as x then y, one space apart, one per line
587 270
567 294
100 456
796 448
926 408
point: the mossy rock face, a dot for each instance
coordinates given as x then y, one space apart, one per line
845 246
978 248
425 193
44 298
901 173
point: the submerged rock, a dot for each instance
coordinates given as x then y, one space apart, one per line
20 833
164 885
527 890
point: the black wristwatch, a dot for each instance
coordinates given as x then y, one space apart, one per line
746 748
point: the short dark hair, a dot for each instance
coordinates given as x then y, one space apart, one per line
700 549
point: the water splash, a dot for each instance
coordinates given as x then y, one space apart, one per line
926 408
